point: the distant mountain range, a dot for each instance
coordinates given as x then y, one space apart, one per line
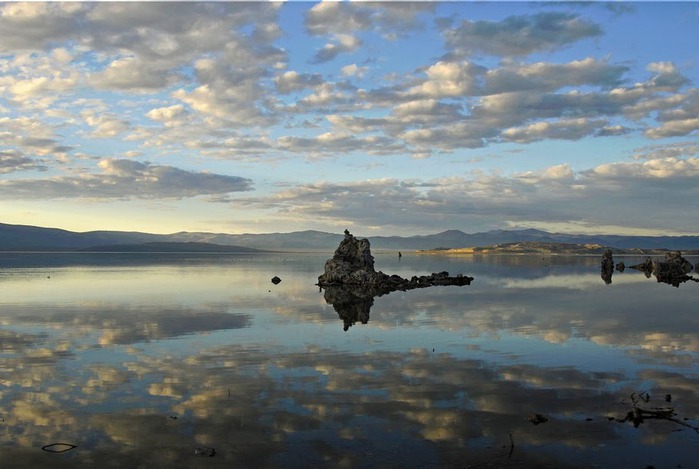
536 247
160 247
33 238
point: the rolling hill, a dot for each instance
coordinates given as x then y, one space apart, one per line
33 238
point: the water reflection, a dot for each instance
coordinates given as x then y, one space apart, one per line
352 303
210 354
673 270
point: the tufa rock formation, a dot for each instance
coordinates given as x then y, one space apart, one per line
673 270
607 266
646 267
350 281
353 265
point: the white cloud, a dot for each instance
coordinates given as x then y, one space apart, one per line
169 115
607 195
31 136
679 120
518 35
342 44
122 179
11 161
545 76
224 81
105 125
291 81
568 129
353 70
332 143
674 150
675 128
449 80
132 73
661 168
33 25
326 18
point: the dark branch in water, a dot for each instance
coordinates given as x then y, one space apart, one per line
637 415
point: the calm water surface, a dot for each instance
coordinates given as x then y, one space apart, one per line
140 360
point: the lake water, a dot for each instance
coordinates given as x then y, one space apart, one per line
144 360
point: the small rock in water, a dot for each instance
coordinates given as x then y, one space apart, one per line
536 419
208 452
58 447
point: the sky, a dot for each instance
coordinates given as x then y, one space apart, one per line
384 118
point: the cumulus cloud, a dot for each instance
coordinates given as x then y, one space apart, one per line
327 18
518 35
291 81
105 125
331 143
231 86
121 179
28 26
471 106
450 80
332 17
344 21
546 76
134 74
169 116
605 195
567 129
662 151
353 70
30 136
342 43
220 81
680 120
11 161
664 168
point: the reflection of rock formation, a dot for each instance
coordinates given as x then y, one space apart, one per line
646 267
673 270
351 304
607 266
351 282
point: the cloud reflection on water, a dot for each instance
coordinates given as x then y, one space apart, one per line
275 382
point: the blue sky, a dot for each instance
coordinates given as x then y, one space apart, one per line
384 118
